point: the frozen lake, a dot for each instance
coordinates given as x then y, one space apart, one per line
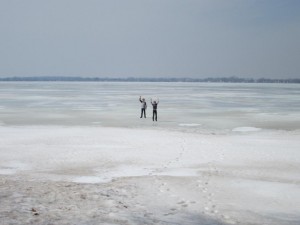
196 107
78 153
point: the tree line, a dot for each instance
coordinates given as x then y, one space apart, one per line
152 79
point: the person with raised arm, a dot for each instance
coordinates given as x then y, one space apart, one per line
143 107
154 105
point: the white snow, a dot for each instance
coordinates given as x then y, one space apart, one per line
136 176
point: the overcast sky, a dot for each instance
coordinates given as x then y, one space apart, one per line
150 38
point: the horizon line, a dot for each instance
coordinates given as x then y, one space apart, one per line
229 79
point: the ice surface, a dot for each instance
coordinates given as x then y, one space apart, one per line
217 107
189 124
246 129
78 153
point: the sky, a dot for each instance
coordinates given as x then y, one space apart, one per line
150 38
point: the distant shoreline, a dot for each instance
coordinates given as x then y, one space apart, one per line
145 79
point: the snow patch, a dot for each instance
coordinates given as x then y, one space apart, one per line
246 129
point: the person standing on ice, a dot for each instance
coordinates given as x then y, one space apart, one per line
143 107
154 105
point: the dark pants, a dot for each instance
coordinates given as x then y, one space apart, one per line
154 115
143 111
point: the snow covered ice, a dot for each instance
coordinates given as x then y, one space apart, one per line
78 153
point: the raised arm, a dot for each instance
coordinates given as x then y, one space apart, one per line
140 98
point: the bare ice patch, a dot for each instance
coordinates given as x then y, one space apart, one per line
91 179
13 167
178 172
134 171
189 124
246 129
109 175
7 171
96 122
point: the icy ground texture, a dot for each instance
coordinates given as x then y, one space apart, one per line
196 107
90 175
